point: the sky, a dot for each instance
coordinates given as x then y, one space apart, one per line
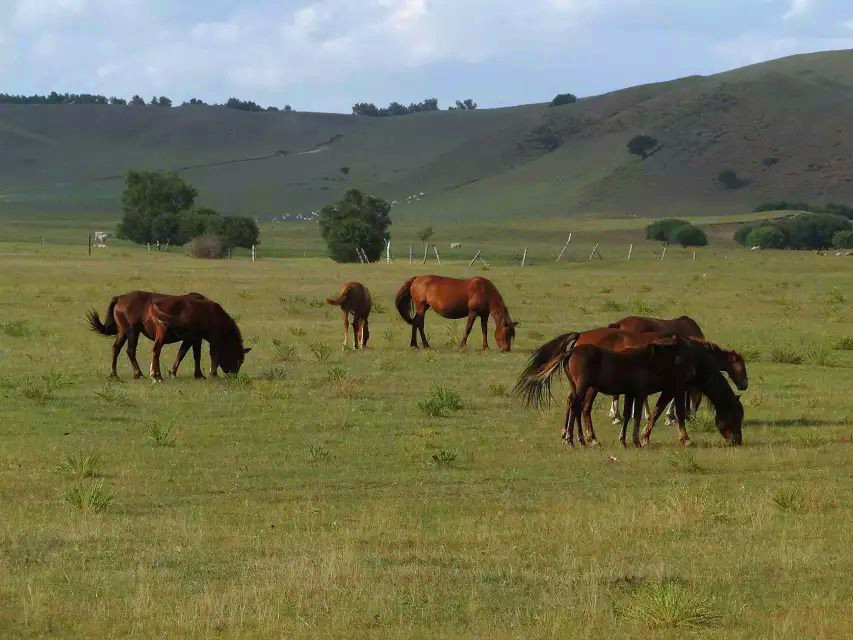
325 55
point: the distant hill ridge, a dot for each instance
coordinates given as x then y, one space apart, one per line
783 126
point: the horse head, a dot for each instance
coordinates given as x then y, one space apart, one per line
504 333
736 368
730 422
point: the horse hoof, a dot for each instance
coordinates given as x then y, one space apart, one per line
594 443
624 444
686 443
638 443
644 442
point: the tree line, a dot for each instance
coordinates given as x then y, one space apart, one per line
160 207
399 109
811 230
136 101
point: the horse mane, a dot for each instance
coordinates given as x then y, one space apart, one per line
711 347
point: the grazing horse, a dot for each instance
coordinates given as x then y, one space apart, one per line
454 298
683 327
663 365
354 299
126 319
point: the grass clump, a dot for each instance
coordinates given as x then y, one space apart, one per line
497 389
786 354
821 355
16 328
444 458
703 421
612 305
320 350
318 453
845 344
79 466
283 351
336 374
161 436
670 604
91 496
36 391
685 462
440 401
789 499
273 373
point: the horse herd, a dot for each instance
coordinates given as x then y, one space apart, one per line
634 357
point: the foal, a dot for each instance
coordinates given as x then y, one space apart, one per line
354 299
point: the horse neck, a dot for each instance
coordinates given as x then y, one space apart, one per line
497 308
719 392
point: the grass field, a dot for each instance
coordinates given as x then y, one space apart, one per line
312 497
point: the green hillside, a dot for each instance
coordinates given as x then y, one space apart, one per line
482 165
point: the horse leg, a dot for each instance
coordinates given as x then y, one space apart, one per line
197 374
214 363
414 342
670 416
155 359
614 410
663 400
472 316
121 338
680 413
568 435
421 329
182 351
575 415
626 417
346 330
587 416
132 340
356 332
365 333
484 325
638 415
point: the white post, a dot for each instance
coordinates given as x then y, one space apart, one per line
694 255
410 254
42 241
426 248
592 253
524 257
148 244
437 259
630 250
253 253
388 253
167 245
305 252
476 255
663 253
565 246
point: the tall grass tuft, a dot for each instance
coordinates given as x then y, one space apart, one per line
669 604
845 344
90 496
161 436
16 328
79 466
320 350
786 354
685 462
283 351
789 499
440 401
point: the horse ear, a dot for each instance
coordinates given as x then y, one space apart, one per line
247 349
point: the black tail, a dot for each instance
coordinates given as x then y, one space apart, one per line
403 301
105 329
534 383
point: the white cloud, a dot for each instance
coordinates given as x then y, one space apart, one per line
798 8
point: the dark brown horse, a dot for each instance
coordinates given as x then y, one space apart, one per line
354 299
453 298
663 365
128 317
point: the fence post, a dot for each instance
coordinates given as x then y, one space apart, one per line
426 248
388 253
565 246
524 257
148 244
167 247
410 254
437 259
694 255
592 253
663 253
90 244
476 255
630 251
42 241
305 252
253 253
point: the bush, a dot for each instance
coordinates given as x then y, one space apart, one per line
207 245
235 231
663 229
782 205
843 239
545 137
356 221
688 236
766 237
729 179
641 145
563 98
815 230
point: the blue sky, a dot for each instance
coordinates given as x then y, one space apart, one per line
324 55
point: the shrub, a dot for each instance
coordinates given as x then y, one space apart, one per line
815 230
563 98
729 179
689 236
662 229
439 401
642 145
207 246
766 237
544 137
355 221
843 239
89 497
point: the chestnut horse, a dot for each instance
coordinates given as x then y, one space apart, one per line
454 298
664 365
129 316
354 299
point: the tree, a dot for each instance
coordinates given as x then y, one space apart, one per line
288 108
843 239
365 109
163 101
147 195
689 236
425 234
193 102
237 231
198 221
563 98
729 179
243 105
137 101
815 230
356 221
642 145
118 101
166 228
663 229
767 237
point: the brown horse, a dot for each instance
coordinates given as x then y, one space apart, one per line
354 299
664 365
126 319
454 298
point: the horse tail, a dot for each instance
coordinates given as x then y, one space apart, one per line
534 383
403 301
109 327
341 298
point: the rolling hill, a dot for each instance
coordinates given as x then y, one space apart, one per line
784 126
